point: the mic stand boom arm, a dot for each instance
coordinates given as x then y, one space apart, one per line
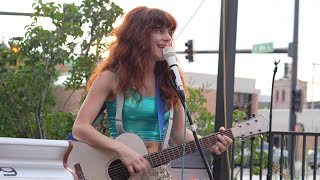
193 127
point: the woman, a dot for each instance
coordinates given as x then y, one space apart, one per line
135 68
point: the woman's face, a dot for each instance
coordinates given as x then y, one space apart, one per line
160 38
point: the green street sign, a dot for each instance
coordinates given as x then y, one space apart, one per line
262 48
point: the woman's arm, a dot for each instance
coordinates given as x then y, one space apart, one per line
104 86
178 132
82 130
178 126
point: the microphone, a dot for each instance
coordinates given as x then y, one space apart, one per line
170 56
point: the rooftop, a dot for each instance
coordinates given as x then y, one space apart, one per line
209 81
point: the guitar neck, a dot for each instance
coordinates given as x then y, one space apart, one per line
176 152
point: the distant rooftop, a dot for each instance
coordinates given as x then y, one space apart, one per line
264 98
209 81
3 45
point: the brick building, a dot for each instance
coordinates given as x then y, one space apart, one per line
282 90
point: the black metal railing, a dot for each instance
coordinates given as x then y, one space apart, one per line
249 163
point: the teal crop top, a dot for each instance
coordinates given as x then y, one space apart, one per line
141 118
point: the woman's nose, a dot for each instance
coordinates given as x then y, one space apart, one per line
167 36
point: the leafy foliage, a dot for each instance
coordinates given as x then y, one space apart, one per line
77 35
202 117
58 124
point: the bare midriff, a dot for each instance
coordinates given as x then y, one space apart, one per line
152 146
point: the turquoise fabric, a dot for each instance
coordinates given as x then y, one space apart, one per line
141 118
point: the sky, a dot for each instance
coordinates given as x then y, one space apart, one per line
259 21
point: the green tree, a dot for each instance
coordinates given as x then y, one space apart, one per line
201 116
78 35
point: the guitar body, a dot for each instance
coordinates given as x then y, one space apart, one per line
90 163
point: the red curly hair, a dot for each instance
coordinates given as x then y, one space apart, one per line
130 53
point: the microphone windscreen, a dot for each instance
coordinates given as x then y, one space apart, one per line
168 51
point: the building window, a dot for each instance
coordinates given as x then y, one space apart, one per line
243 102
277 96
283 95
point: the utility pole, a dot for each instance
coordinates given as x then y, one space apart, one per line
293 52
225 81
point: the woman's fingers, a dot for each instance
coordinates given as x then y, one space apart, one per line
138 166
227 141
145 165
215 149
223 142
130 169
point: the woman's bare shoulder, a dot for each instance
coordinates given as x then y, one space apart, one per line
108 75
107 79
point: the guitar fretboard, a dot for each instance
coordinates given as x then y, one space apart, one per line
167 155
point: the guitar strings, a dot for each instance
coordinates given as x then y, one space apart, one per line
152 158
120 168
120 171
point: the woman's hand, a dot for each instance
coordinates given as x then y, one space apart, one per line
135 163
222 144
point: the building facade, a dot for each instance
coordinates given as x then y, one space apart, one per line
245 93
282 90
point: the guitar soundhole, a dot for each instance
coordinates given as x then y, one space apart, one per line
117 170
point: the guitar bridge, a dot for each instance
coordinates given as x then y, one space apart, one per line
79 172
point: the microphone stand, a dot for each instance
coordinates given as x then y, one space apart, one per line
181 95
269 174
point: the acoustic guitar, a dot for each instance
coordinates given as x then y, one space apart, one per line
88 163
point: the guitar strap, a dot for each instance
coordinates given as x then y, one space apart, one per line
161 114
120 101
160 108
169 127
119 125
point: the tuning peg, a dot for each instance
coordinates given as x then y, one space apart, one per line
237 122
245 118
252 138
261 136
243 139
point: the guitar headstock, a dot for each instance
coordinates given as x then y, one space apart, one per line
255 125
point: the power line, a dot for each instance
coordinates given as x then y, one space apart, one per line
189 20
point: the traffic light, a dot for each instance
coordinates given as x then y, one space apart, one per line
189 50
297 100
14 50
